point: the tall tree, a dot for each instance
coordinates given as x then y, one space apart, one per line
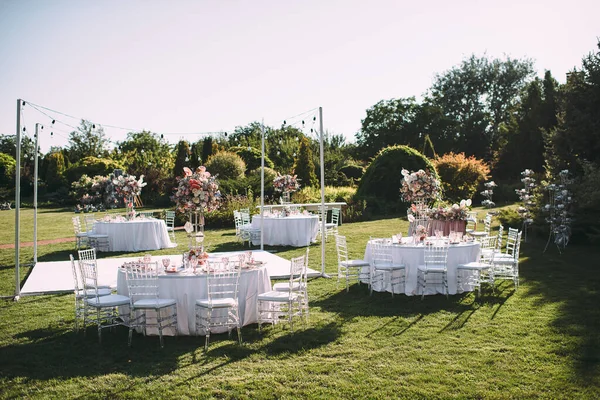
476 97
182 157
387 123
207 149
88 140
304 167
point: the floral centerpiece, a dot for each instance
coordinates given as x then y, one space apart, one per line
286 183
127 187
420 186
421 232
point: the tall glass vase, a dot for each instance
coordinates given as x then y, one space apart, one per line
129 204
195 230
285 198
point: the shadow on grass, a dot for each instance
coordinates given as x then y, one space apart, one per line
302 339
572 280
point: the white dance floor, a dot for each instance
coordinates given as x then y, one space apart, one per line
57 276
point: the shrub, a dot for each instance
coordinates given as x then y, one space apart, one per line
460 175
586 192
353 171
252 157
304 166
7 170
91 166
223 217
253 181
226 165
380 184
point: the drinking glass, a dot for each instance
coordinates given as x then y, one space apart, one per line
166 262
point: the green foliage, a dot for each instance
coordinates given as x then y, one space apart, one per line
283 147
89 140
586 192
91 166
389 122
253 181
7 170
304 167
252 157
53 171
8 145
226 165
146 153
223 217
182 157
353 171
196 154
460 175
207 149
577 136
475 97
380 185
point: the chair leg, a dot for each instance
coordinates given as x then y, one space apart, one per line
99 326
160 329
207 339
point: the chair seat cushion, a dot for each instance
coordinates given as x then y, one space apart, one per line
355 263
97 236
474 266
388 266
504 261
224 302
154 303
285 287
277 296
112 300
431 268
478 233
92 293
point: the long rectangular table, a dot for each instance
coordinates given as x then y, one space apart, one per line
136 235
296 230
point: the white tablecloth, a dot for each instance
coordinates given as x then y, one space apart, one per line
412 256
297 230
136 235
186 288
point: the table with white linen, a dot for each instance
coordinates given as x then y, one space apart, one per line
294 230
135 235
446 227
413 255
186 287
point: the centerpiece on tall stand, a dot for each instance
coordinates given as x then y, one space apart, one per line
421 189
286 184
196 194
127 187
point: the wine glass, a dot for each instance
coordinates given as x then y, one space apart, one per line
194 263
166 262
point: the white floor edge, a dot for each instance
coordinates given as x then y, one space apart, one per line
57 276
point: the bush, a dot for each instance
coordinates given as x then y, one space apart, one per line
353 171
226 165
7 170
252 157
91 166
380 185
253 181
586 222
460 175
223 217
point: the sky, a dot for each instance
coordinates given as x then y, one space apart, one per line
185 68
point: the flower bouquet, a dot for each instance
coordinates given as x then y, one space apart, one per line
197 191
419 186
127 187
286 183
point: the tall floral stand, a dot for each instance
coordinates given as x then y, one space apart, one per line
285 198
129 204
195 232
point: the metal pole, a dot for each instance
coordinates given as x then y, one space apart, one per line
35 193
262 181
18 202
323 214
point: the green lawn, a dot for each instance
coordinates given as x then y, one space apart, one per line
540 341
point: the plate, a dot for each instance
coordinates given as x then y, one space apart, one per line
254 264
454 242
173 271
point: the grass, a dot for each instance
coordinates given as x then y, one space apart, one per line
541 341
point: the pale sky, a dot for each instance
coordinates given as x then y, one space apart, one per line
206 66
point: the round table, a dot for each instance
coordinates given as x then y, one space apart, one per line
295 230
136 235
413 255
186 288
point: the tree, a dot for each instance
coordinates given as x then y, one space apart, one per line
388 122
53 171
577 134
88 140
196 154
207 149
475 97
182 157
247 136
145 153
305 168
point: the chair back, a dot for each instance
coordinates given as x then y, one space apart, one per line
335 216
341 248
511 241
170 218
297 273
90 220
142 279
147 214
381 252
487 222
89 270
517 246
76 225
237 219
436 254
223 278
77 284
245 218
499 237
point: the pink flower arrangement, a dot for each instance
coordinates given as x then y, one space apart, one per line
197 191
286 183
128 185
419 186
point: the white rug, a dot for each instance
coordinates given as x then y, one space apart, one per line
57 276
